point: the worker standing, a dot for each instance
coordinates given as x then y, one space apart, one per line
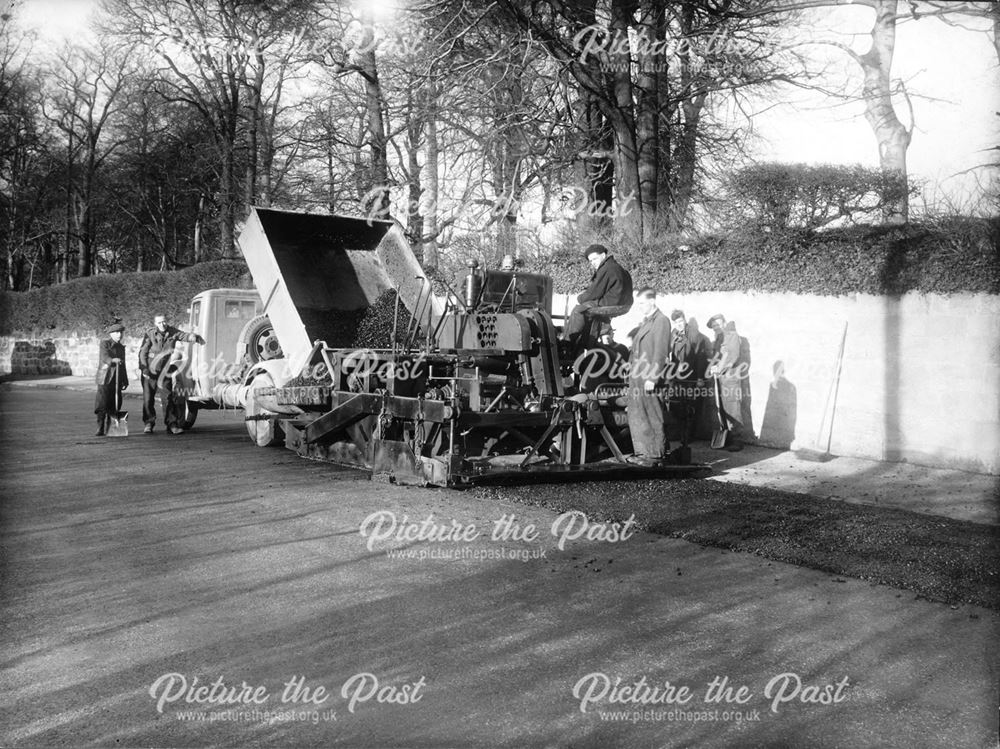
111 377
647 370
155 358
688 362
729 366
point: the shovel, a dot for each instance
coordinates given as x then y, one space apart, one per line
721 435
117 420
824 455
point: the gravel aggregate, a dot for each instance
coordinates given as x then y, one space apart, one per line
370 327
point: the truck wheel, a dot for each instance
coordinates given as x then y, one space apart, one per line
258 340
189 412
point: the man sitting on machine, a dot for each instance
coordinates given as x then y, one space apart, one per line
609 295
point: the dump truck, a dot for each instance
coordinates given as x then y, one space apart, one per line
465 386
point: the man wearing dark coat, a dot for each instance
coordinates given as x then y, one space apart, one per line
609 295
688 365
111 376
648 360
155 358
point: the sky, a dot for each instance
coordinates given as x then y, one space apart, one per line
953 76
55 20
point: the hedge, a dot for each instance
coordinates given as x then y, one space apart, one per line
91 303
945 257
781 196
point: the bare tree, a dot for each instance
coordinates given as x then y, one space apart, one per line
86 92
645 71
23 156
159 179
212 57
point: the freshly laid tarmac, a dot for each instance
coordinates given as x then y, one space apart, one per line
125 561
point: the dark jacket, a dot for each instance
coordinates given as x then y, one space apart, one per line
157 348
650 351
611 285
690 348
727 353
106 368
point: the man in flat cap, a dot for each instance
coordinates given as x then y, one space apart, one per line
155 357
648 373
730 366
609 295
111 378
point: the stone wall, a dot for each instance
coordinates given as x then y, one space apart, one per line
58 354
920 379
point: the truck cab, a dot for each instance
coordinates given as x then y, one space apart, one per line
237 335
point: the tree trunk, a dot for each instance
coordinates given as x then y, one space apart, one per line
665 125
228 186
12 216
603 176
503 202
414 217
379 183
505 158
85 221
647 108
684 159
361 171
82 219
414 135
628 206
431 209
63 272
597 170
253 128
893 138
197 229
265 180
227 221
331 180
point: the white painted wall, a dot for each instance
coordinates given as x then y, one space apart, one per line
921 373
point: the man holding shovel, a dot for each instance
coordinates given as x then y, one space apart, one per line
155 357
729 368
111 378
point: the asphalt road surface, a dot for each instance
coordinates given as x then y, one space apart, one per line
194 590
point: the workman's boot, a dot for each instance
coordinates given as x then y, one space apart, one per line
100 426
